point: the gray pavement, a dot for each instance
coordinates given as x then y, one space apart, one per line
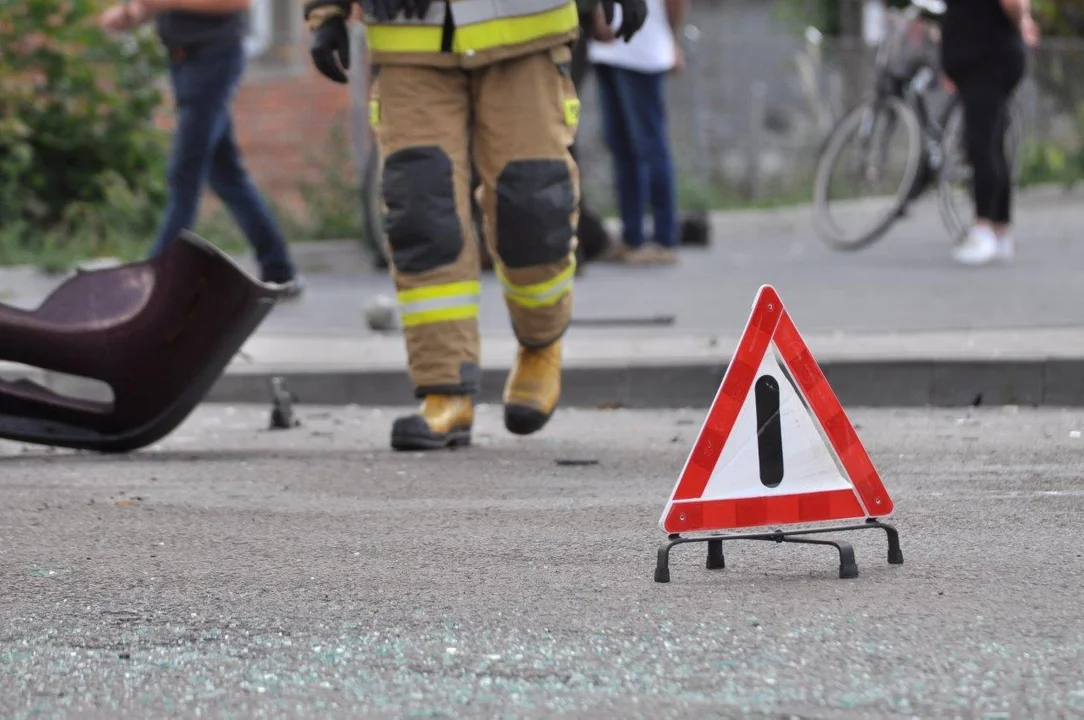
236 572
905 283
895 324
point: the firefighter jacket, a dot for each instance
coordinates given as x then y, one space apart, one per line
467 33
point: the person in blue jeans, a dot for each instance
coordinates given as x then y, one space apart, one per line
632 95
205 44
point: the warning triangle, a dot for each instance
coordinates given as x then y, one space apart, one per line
776 447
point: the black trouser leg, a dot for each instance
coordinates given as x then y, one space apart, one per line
985 91
983 106
1001 211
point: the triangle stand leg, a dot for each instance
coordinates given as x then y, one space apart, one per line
848 567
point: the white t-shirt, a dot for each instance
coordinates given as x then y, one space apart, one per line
651 50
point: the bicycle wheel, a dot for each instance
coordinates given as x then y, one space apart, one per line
954 195
372 206
889 139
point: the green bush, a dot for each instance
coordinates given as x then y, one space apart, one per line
1060 18
82 167
333 201
1045 161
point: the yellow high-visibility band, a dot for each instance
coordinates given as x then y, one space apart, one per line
517 30
499 32
572 112
404 38
440 303
541 294
428 317
433 292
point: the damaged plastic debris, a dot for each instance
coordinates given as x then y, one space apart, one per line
158 333
282 406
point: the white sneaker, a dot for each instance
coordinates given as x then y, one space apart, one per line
1006 246
980 247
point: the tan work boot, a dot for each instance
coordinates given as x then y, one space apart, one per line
615 252
443 421
651 254
533 389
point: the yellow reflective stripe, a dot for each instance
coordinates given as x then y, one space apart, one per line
440 303
433 292
572 112
499 32
517 30
404 38
435 316
541 294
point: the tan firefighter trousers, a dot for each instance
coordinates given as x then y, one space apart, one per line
516 119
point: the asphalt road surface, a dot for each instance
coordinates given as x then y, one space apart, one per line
237 572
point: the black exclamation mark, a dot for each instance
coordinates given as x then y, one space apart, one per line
769 431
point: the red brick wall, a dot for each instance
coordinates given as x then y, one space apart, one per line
282 122
283 125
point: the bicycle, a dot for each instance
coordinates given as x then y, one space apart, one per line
907 75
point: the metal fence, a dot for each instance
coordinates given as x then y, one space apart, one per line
750 112
748 115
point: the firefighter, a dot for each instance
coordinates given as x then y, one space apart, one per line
489 81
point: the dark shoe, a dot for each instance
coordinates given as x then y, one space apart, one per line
444 421
696 230
592 236
533 389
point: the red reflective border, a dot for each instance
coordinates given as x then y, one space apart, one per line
707 515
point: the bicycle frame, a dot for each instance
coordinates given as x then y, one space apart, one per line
912 81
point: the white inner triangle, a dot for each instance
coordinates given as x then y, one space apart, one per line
809 465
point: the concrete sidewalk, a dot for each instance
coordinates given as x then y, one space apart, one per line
895 324
607 369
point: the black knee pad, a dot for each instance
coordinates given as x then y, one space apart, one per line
535 202
422 222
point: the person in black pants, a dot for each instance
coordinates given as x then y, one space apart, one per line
983 53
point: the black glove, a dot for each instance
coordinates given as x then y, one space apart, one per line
633 14
329 39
